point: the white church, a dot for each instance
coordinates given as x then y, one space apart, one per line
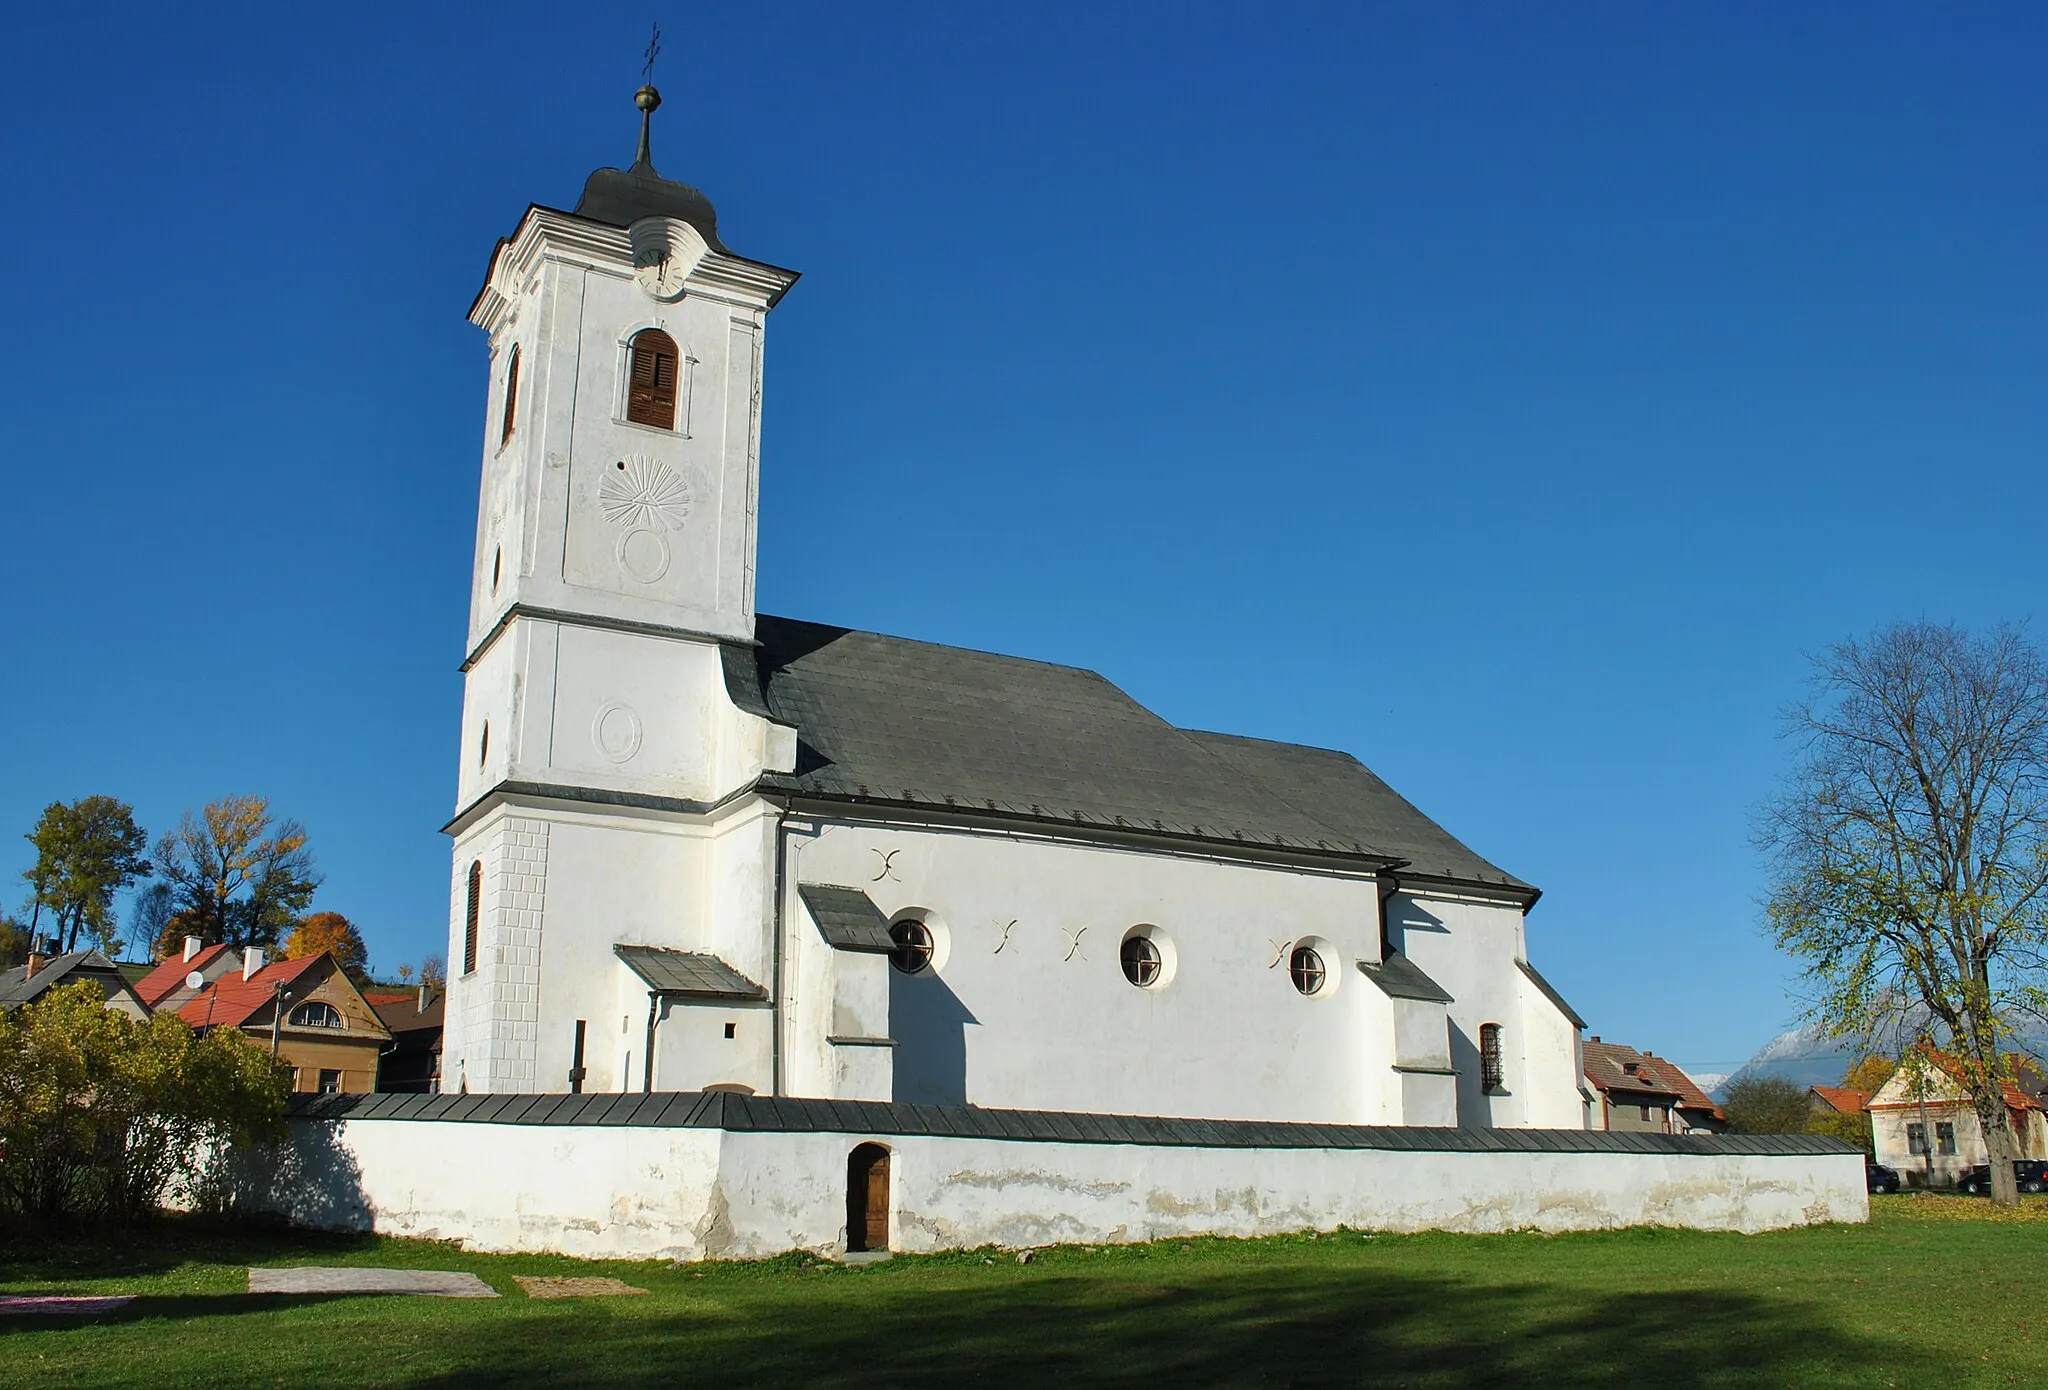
767 934
698 846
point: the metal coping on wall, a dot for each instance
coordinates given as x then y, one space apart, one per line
790 1115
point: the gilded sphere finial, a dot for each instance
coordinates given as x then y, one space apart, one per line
647 98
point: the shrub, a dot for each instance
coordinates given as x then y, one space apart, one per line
101 1113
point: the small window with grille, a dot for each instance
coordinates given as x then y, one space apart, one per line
1305 968
1489 1056
913 951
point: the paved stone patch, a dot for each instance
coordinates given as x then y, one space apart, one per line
545 1286
435 1283
62 1305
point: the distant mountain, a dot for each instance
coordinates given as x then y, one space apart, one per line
1803 1057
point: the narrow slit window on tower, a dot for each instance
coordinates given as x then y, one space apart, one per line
511 396
476 902
651 387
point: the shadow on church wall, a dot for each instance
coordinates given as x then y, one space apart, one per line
1475 1107
929 1024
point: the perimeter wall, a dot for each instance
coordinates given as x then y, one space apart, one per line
690 1193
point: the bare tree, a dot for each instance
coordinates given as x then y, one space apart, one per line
1909 851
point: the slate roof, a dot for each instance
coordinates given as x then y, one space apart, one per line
18 987
896 721
1401 978
690 974
406 1016
847 918
792 1115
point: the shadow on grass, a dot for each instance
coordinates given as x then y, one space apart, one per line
1289 1327
54 1253
179 1307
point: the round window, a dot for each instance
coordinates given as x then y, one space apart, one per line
1305 968
913 950
1141 961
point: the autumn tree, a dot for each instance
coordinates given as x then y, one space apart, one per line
1908 851
1870 1074
235 876
434 971
86 852
330 931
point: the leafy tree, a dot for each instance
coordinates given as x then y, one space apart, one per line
235 876
100 1114
1909 850
170 938
330 931
405 974
14 943
1765 1105
86 853
1870 1074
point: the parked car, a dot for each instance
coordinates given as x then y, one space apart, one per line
2030 1173
1879 1178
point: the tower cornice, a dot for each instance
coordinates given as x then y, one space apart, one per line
546 234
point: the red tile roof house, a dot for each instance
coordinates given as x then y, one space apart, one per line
1643 1092
1932 1136
1838 1100
326 1031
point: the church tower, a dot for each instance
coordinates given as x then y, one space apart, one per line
614 562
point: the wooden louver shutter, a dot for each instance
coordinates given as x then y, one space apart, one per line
651 394
476 895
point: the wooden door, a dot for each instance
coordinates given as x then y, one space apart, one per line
867 1198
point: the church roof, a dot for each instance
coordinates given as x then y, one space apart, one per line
621 197
891 720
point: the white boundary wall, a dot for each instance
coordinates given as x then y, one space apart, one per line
703 1193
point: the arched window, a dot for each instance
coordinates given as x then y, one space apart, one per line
913 947
1305 968
511 395
1489 1056
476 902
316 1014
651 390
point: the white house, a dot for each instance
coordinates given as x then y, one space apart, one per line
1924 1124
699 847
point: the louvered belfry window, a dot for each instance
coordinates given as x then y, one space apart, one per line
651 393
476 902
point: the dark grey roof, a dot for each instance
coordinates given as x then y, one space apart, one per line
693 974
18 987
890 720
787 1115
847 918
1341 791
1550 992
1401 978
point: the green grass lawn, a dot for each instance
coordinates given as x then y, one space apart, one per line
1931 1292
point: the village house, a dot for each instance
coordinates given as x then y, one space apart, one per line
307 1009
45 970
413 1060
1644 1093
1924 1124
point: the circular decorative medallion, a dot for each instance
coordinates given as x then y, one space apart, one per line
639 491
616 732
643 555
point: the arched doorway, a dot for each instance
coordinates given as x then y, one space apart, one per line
867 1198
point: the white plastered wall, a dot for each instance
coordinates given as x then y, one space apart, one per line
622 1192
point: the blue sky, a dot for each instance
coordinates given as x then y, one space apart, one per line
1507 394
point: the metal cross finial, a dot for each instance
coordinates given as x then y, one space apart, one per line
647 98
